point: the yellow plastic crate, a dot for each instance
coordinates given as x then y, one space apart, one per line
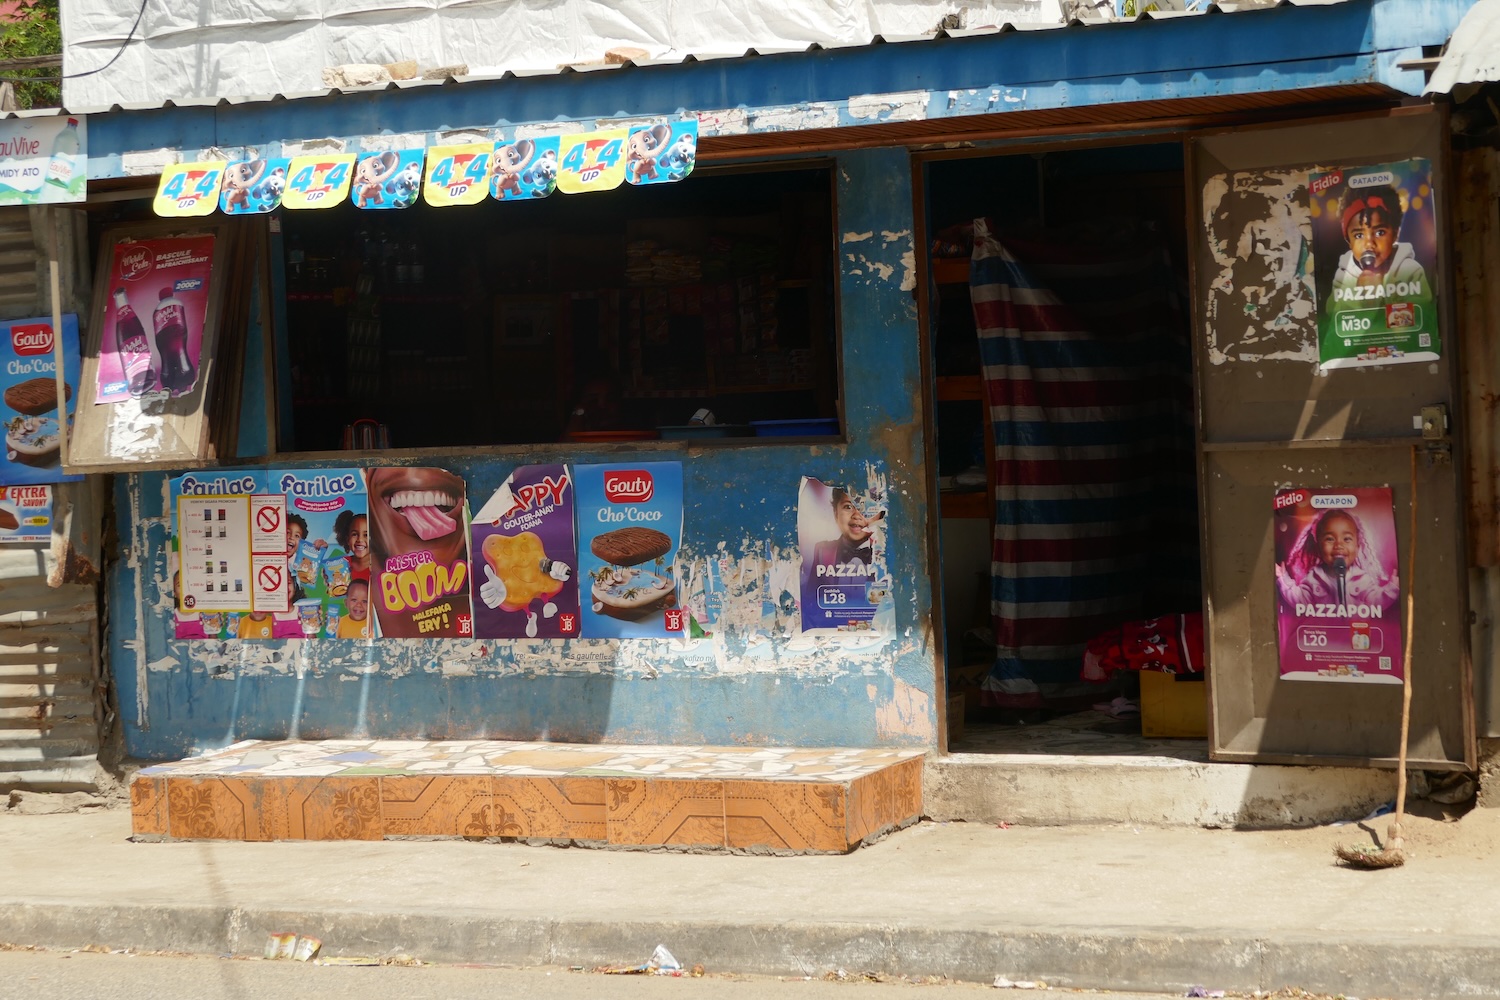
1173 704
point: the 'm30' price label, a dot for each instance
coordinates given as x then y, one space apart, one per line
591 161
189 189
318 181
457 175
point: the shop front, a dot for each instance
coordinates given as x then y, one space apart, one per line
488 412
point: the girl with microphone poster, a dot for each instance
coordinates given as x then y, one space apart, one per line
1338 613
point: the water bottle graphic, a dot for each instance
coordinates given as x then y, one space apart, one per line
65 147
170 320
133 348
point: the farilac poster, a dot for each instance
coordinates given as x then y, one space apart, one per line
841 533
629 527
153 319
419 546
33 426
1374 254
525 558
1337 590
327 551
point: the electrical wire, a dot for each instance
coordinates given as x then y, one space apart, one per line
74 76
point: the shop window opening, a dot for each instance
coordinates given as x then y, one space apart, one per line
608 317
1069 532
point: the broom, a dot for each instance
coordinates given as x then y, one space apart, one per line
1392 855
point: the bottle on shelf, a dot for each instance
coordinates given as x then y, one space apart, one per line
417 270
296 259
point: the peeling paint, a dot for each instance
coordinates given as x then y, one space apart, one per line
311 147
909 106
908 713
858 237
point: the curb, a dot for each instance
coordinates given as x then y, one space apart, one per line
1160 959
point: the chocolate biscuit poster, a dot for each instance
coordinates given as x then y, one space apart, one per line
154 310
525 558
1374 260
1338 593
33 425
629 528
420 553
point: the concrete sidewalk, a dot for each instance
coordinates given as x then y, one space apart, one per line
1109 907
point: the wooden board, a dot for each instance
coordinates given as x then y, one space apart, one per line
175 433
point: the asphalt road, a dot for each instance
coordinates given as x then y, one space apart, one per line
43 975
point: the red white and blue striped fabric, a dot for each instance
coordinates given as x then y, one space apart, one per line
1087 376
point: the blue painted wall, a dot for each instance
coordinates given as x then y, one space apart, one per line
176 697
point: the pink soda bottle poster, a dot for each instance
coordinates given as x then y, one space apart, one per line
154 311
1338 594
419 553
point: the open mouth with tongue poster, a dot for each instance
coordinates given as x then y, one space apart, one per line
420 552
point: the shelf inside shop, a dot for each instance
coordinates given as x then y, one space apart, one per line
950 270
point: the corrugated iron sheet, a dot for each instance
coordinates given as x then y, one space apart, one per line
1221 7
1473 53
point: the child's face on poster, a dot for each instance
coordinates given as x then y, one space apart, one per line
1372 240
1339 537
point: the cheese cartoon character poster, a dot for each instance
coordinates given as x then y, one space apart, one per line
629 528
524 566
1374 262
1338 614
419 547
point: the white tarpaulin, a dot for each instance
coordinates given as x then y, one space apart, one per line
245 48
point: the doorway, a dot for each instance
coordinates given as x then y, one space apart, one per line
1064 415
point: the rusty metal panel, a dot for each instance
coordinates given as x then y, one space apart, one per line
52 695
1270 419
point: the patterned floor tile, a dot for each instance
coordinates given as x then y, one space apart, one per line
436 806
641 811
797 816
148 806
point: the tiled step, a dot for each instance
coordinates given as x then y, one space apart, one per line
602 795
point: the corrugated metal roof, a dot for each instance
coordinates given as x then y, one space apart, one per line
1473 53
1197 9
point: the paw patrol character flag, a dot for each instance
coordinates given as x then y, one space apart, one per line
318 181
525 558
419 549
629 528
661 154
1374 260
390 178
841 533
253 187
526 168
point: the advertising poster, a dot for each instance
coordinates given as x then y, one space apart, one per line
188 190
1374 256
525 558
327 536
211 560
526 168
1338 595
28 391
420 553
591 161
457 175
841 534
629 528
320 181
153 321
661 154
43 161
25 515
253 187
391 178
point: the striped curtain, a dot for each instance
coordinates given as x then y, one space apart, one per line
1087 373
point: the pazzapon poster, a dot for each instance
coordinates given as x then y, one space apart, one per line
1337 588
1374 260
841 533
